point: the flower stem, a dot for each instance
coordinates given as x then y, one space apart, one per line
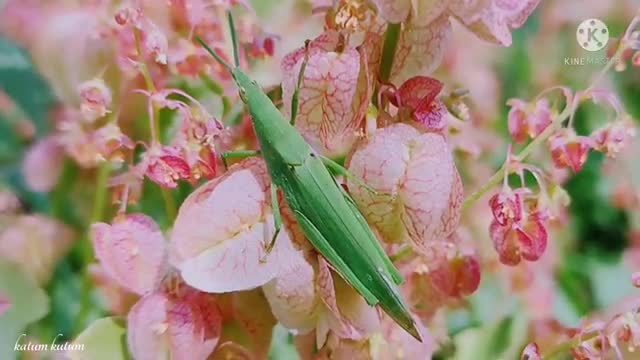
169 201
391 36
566 346
97 214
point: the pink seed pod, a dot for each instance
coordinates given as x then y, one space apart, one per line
526 120
334 94
95 99
36 243
118 299
179 327
569 149
613 137
222 230
131 251
420 192
432 284
418 95
531 352
310 297
421 48
43 164
526 239
394 11
165 165
493 20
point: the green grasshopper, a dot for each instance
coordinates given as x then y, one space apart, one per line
325 212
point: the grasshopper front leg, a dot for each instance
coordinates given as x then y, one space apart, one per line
277 221
295 98
341 170
240 154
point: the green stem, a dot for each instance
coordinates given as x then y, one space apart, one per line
500 174
391 36
566 346
169 201
97 214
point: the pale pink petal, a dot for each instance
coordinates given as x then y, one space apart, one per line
252 313
426 11
43 164
118 299
382 161
420 49
222 229
293 297
132 251
333 97
186 331
418 184
159 325
401 345
36 243
220 209
394 11
361 318
5 303
147 326
493 20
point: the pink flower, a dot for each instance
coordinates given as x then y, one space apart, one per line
526 120
182 326
420 192
118 299
165 165
36 243
493 20
418 95
611 138
334 94
531 352
5 303
95 99
433 283
154 42
569 149
311 296
111 143
132 251
520 235
507 205
223 228
43 164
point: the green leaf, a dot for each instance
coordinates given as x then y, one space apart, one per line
28 301
104 339
21 81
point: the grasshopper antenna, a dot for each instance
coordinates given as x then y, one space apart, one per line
234 39
215 55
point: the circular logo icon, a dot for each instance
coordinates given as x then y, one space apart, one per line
592 34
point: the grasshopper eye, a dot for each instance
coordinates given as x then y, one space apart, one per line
243 94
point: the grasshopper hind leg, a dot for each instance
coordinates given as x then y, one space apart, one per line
334 259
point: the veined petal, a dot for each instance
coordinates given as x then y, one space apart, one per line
222 230
421 48
132 251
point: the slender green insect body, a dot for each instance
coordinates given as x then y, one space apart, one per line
333 226
324 211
